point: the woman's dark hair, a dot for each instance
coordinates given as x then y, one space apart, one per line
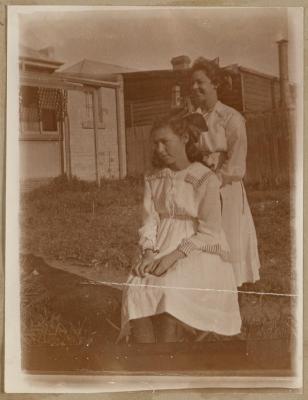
210 69
181 122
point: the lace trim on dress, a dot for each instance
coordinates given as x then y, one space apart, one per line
197 182
164 173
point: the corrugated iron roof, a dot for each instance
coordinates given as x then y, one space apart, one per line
94 69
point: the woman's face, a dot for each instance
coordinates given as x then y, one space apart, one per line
203 90
169 147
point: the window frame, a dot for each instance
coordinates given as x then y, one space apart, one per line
41 133
87 124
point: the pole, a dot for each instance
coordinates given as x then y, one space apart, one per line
95 126
121 129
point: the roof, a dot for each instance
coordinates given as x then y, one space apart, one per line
93 69
99 70
55 80
158 74
255 72
45 55
233 68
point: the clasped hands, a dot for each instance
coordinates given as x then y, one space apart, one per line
149 265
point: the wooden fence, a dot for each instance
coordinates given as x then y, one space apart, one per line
268 154
138 150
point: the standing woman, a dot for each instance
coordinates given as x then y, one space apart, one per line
224 146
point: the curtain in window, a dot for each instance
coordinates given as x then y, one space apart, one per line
53 99
36 104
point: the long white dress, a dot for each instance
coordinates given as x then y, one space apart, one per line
183 210
225 148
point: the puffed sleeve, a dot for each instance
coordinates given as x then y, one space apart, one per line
150 219
234 166
208 236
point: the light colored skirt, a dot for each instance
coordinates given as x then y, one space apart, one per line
240 232
199 290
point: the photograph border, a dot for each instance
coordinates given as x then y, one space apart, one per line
13 224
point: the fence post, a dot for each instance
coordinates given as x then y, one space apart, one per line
275 146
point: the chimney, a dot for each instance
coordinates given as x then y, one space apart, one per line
180 62
284 73
48 52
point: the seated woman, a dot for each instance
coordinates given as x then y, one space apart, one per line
183 273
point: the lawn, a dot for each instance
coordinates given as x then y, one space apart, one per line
97 228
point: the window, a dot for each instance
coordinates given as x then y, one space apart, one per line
29 110
48 108
87 119
49 120
40 110
88 116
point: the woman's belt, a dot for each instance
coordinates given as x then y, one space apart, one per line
177 216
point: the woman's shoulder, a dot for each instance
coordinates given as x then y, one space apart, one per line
156 173
198 174
227 113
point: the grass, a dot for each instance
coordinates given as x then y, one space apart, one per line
93 226
79 221
58 310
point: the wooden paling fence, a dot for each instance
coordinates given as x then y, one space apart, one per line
268 148
138 150
268 152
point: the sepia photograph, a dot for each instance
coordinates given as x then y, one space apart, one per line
154 190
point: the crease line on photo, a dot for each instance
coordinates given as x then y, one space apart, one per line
190 288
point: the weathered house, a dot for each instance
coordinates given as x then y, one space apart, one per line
256 95
92 120
39 138
96 117
72 121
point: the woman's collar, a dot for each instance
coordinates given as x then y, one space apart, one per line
217 107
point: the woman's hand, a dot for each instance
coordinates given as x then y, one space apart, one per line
144 264
162 265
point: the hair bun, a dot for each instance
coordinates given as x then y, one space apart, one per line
197 120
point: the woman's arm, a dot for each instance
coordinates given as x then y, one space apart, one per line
150 219
147 234
208 235
234 166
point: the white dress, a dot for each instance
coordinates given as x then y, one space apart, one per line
225 149
183 210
